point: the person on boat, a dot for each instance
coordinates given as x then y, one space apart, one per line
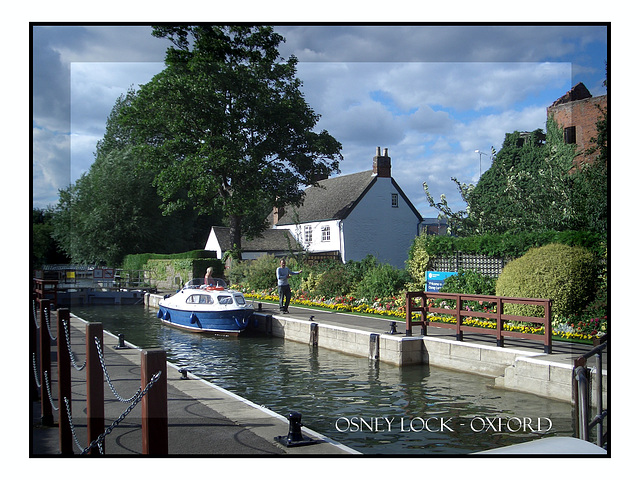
208 277
284 290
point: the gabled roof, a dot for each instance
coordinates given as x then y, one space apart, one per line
335 198
332 199
270 240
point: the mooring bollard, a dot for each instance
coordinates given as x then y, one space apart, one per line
95 386
295 438
313 335
121 345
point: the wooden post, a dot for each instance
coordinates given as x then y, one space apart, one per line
459 333
95 386
33 346
548 329
45 363
155 425
408 305
499 311
64 384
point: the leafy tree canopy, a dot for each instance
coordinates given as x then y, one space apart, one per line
533 185
226 123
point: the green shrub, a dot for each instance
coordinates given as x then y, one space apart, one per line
333 283
567 275
471 282
382 281
261 272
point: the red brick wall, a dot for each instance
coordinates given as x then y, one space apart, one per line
583 114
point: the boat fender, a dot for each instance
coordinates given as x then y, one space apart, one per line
166 315
159 314
193 318
243 323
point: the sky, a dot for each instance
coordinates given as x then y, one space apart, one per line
431 94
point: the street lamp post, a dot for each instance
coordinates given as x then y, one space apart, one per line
480 153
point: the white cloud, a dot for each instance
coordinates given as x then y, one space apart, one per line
432 95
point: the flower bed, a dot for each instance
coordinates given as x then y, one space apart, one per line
394 308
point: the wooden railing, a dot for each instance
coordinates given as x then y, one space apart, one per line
46 289
430 302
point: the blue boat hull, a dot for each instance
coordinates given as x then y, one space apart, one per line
230 322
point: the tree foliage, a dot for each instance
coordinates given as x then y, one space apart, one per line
533 185
113 210
226 126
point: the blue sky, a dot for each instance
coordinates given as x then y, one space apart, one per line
431 94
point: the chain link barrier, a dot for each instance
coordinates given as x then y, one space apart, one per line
47 319
35 370
106 374
133 400
48 385
98 442
72 355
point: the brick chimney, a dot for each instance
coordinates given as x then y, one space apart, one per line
278 213
382 163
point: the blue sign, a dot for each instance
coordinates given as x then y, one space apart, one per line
435 280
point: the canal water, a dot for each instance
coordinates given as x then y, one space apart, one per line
369 406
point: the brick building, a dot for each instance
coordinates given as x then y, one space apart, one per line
577 113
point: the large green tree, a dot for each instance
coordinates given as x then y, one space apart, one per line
113 209
226 122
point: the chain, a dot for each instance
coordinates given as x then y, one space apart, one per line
35 315
98 442
48 322
73 430
35 371
72 355
106 374
48 385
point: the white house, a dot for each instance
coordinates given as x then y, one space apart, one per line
351 216
272 242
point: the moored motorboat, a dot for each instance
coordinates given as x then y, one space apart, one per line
212 308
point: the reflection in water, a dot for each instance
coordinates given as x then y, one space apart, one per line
372 407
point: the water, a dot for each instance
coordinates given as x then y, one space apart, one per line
369 406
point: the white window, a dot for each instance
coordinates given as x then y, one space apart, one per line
326 233
394 200
308 235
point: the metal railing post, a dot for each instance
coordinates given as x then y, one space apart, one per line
64 383
45 363
95 386
155 427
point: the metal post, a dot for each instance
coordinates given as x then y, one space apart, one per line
64 384
45 363
155 427
95 386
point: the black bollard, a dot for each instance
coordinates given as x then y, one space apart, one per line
295 438
121 345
